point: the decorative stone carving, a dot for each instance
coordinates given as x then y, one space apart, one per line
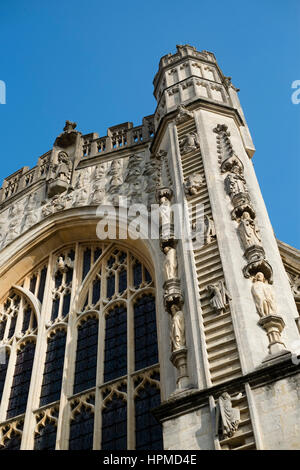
227 417
241 203
209 230
273 325
134 170
15 216
263 296
116 176
235 183
31 215
232 162
183 114
81 189
170 263
248 232
189 143
219 296
193 184
63 168
98 192
61 175
177 328
260 265
68 137
63 264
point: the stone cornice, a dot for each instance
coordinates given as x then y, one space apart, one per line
200 103
191 400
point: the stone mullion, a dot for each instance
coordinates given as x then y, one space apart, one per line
38 365
100 368
69 364
130 358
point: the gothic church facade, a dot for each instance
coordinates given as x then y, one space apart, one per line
167 342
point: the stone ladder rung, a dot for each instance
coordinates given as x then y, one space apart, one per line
225 376
219 327
210 317
218 346
222 354
224 364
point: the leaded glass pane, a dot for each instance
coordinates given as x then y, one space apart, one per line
86 355
145 336
115 361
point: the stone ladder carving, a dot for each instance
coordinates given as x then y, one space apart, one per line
221 345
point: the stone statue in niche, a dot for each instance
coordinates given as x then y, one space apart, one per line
193 184
63 168
209 229
170 263
248 231
235 182
98 193
177 328
219 296
263 296
189 143
227 417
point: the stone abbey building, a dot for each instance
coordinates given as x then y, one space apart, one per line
183 340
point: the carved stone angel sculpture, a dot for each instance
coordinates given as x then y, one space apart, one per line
263 296
219 296
63 264
193 184
189 142
227 417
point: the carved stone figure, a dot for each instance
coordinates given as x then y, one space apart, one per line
134 168
228 418
64 167
170 263
15 215
116 176
263 296
183 114
219 296
81 189
189 142
248 231
193 184
235 182
63 265
31 215
177 328
98 192
209 229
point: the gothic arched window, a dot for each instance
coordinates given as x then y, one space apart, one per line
94 376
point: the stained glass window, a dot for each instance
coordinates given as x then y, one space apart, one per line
53 370
146 352
86 355
82 430
45 438
114 424
115 361
21 381
148 431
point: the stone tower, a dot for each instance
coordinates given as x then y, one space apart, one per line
184 338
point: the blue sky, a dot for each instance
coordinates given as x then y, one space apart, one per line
93 62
